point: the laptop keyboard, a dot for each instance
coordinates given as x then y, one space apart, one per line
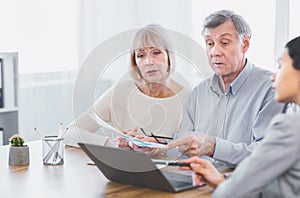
178 184
177 179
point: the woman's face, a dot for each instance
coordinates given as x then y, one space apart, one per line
286 82
152 63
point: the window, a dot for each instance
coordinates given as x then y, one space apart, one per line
43 32
294 28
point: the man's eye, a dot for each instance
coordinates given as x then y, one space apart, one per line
209 43
225 43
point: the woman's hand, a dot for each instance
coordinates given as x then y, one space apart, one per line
204 172
123 143
111 142
150 151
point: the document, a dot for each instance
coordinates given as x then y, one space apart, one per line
134 140
142 143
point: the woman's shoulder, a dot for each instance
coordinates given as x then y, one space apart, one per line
287 125
117 90
125 84
124 87
287 119
179 89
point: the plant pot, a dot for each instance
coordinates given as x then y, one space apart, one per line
19 155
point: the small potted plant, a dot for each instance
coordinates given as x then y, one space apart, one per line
18 152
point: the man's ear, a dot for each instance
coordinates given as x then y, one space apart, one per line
246 43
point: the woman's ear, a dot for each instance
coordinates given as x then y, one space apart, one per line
296 62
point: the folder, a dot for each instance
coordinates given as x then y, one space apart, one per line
1 84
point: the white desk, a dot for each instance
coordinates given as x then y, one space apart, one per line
72 179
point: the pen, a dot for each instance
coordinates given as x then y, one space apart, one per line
172 163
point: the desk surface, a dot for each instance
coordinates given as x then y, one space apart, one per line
72 179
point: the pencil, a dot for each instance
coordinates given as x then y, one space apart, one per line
39 133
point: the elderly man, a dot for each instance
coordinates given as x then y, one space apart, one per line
227 114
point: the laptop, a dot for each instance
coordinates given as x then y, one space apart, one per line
135 168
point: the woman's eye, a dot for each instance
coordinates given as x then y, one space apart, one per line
140 56
157 53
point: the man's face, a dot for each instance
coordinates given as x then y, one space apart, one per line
225 50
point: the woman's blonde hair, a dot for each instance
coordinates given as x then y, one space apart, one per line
152 35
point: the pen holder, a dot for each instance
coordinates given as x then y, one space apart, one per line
53 150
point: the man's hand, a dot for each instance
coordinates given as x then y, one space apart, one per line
204 172
195 144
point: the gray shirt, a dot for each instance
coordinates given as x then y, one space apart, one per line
273 169
237 118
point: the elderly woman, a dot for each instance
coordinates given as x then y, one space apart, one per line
152 100
273 169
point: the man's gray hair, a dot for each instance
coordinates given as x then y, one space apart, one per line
219 17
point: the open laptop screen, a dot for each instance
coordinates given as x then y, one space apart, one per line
134 168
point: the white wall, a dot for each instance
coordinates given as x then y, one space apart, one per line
99 20
46 99
44 104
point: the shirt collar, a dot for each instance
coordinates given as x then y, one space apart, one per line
235 85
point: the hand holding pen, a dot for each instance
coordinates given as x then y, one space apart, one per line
205 172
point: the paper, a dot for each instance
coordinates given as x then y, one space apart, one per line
135 141
142 143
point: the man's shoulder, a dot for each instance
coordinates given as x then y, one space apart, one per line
258 76
261 72
203 84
